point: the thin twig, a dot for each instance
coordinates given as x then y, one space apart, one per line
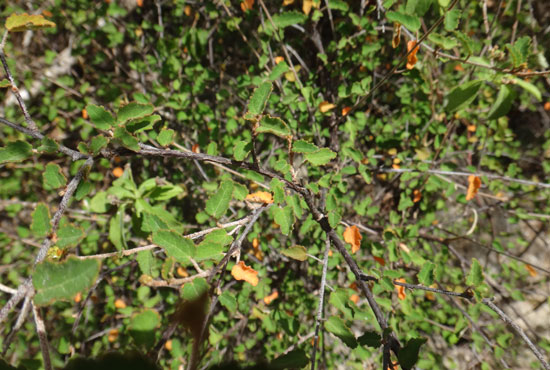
320 305
42 337
466 294
489 303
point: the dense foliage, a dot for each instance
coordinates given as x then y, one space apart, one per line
173 174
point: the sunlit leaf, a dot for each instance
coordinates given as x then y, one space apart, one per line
240 271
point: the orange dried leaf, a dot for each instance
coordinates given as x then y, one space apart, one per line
471 128
459 68
260 197
474 183
139 3
531 270
354 298
182 272
78 297
118 171
243 272
270 298
187 10
417 195
119 303
400 289
288 2
396 35
547 106
380 260
113 335
412 59
255 243
84 114
430 296
345 111
247 5
195 148
279 59
168 345
354 286
326 106
353 236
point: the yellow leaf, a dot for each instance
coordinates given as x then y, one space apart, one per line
260 197
290 75
270 298
400 289
422 153
474 183
24 22
288 2
119 303
306 6
412 59
243 272
353 237
326 106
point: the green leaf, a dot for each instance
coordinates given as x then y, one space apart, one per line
101 118
40 225
4 83
175 245
48 146
241 150
142 124
52 177
475 276
277 186
24 22
134 110
301 146
208 250
143 327
336 326
218 204
99 202
228 301
320 157
194 289
166 137
278 71
296 252
55 281
287 19
519 51
408 355
219 236
529 87
502 105
145 261
426 274
452 18
339 298
69 236
273 125
295 359
257 102
370 339
284 217
462 95
338 5
116 229
126 139
15 151
443 41
97 143
409 21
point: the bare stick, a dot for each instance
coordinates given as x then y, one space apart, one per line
14 88
20 320
489 303
42 337
321 301
467 294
